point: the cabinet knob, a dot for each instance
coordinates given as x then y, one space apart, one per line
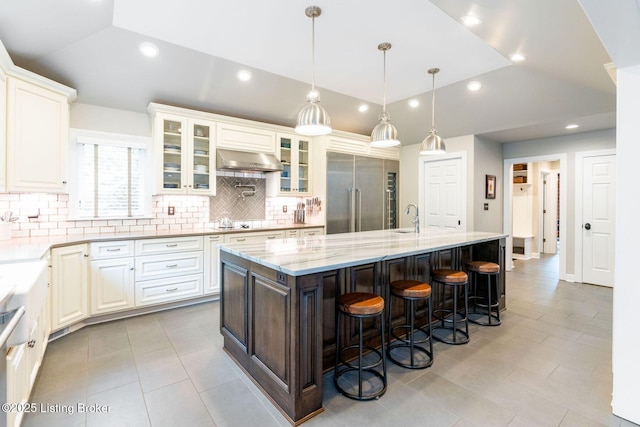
64 182
86 255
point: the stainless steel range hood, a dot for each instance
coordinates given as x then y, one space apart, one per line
243 161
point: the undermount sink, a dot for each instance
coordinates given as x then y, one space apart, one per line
404 231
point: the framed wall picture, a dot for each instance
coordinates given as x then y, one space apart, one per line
490 187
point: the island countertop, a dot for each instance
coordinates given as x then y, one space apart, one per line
308 255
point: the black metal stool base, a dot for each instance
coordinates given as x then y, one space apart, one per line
361 380
484 318
482 313
370 386
418 357
448 330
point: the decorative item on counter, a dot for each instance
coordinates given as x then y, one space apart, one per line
5 225
313 206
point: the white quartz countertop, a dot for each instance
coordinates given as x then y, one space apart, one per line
25 249
307 255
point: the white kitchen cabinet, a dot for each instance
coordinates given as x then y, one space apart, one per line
17 382
186 154
168 269
168 245
254 237
37 138
211 264
112 276
3 134
69 285
175 264
24 360
317 231
295 179
168 289
245 138
292 234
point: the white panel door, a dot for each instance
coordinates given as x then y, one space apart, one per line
443 194
550 213
598 223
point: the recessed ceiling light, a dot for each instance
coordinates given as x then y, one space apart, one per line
572 126
517 57
470 20
474 85
244 75
149 49
363 107
413 103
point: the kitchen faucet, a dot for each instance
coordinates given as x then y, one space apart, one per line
416 220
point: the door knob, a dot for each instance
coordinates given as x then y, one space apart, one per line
587 226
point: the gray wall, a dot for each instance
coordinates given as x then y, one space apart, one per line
487 161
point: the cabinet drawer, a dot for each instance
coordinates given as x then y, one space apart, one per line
159 266
254 237
311 232
116 249
166 290
169 245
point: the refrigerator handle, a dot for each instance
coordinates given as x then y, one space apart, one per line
352 217
359 195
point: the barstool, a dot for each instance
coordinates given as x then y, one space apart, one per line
419 356
361 306
487 269
448 331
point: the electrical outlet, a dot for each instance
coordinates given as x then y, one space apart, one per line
284 208
171 210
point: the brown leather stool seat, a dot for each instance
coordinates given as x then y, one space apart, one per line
484 304
407 350
454 325
360 378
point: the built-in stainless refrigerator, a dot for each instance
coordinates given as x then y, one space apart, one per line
361 193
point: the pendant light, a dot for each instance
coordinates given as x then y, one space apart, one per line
313 120
384 134
433 144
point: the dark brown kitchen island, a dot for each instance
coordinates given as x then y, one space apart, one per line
278 298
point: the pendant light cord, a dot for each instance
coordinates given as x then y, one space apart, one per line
433 102
384 81
313 54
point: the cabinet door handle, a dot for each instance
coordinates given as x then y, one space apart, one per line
271 237
113 250
171 290
240 240
31 343
171 245
311 234
171 265
86 255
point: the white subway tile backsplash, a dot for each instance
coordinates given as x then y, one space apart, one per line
191 213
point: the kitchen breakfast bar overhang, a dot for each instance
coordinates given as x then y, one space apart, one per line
277 313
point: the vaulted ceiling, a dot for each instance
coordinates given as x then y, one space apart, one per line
92 45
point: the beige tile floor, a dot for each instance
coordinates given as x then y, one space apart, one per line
548 364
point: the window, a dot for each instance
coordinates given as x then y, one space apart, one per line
110 179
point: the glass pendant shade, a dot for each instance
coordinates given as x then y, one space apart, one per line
433 144
313 120
384 134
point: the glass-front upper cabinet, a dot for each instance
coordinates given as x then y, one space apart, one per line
187 155
294 153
